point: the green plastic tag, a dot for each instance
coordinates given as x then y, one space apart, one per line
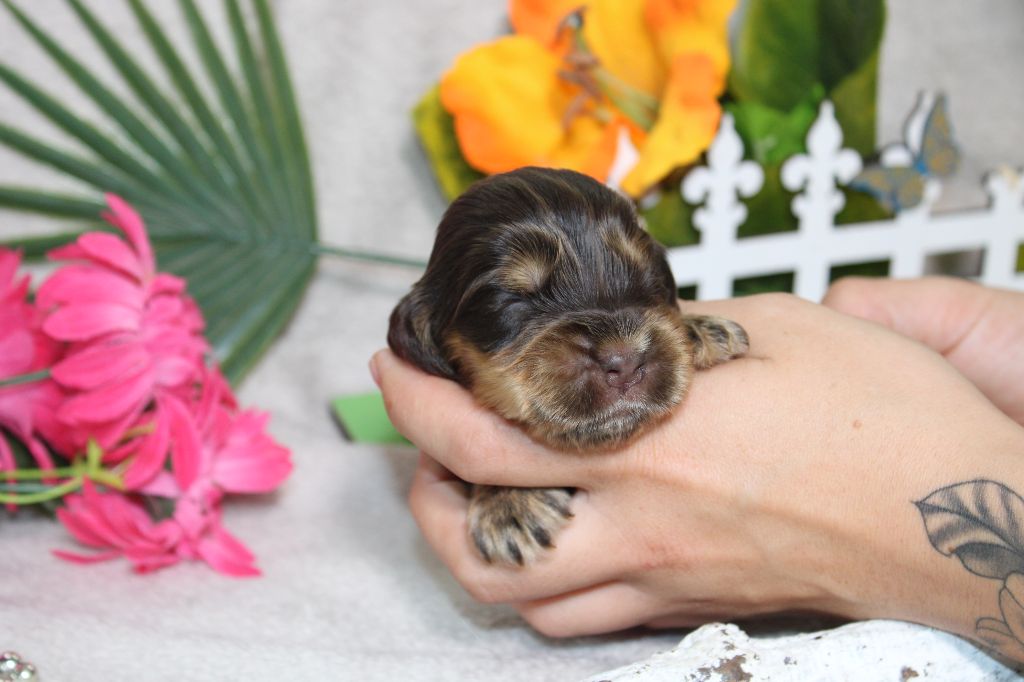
363 419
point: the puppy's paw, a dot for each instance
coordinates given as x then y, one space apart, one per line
514 525
714 339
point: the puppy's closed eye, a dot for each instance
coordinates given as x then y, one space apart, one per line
547 300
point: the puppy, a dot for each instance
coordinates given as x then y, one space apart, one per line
545 298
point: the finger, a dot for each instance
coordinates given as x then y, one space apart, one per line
603 608
940 312
442 418
619 605
440 504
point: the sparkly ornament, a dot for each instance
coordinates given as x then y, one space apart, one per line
13 669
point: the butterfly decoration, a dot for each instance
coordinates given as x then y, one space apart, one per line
901 187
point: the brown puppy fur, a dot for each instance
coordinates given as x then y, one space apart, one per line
545 297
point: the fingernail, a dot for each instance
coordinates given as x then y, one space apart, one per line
374 372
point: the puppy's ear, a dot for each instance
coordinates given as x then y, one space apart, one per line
411 335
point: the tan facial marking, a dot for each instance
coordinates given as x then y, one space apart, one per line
530 261
489 378
525 273
630 249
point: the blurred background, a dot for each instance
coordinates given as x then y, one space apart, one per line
360 66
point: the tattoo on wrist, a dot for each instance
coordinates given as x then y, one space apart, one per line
981 523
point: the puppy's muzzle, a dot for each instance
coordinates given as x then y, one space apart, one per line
595 377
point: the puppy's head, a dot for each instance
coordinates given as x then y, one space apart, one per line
545 297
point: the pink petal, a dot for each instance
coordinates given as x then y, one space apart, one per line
16 409
10 261
6 456
151 456
128 520
250 462
17 349
89 284
7 463
161 485
198 509
83 321
85 559
111 402
70 251
100 363
165 310
227 555
98 511
187 456
84 523
148 562
108 433
164 283
106 249
122 215
211 402
251 477
227 397
176 371
39 453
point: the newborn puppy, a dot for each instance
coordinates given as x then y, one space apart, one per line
545 298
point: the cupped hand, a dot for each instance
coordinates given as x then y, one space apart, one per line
980 330
785 481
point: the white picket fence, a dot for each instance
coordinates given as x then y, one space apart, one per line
810 252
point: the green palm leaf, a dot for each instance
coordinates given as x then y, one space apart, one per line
225 186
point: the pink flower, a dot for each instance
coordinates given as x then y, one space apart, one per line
197 513
25 409
215 449
111 522
121 528
133 334
213 444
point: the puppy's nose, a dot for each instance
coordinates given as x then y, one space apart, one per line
622 364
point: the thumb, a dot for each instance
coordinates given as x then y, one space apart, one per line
940 312
978 329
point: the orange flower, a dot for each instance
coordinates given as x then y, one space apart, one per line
510 106
560 91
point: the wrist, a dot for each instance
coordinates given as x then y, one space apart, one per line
940 552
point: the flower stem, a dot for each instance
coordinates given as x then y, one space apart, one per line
88 468
51 493
366 256
39 474
25 378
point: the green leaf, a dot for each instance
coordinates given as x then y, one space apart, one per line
787 47
436 130
225 186
856 106
50 203
771 136
670 220
776 54
850 33
770 210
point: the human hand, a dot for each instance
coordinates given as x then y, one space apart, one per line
785 481
980 330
